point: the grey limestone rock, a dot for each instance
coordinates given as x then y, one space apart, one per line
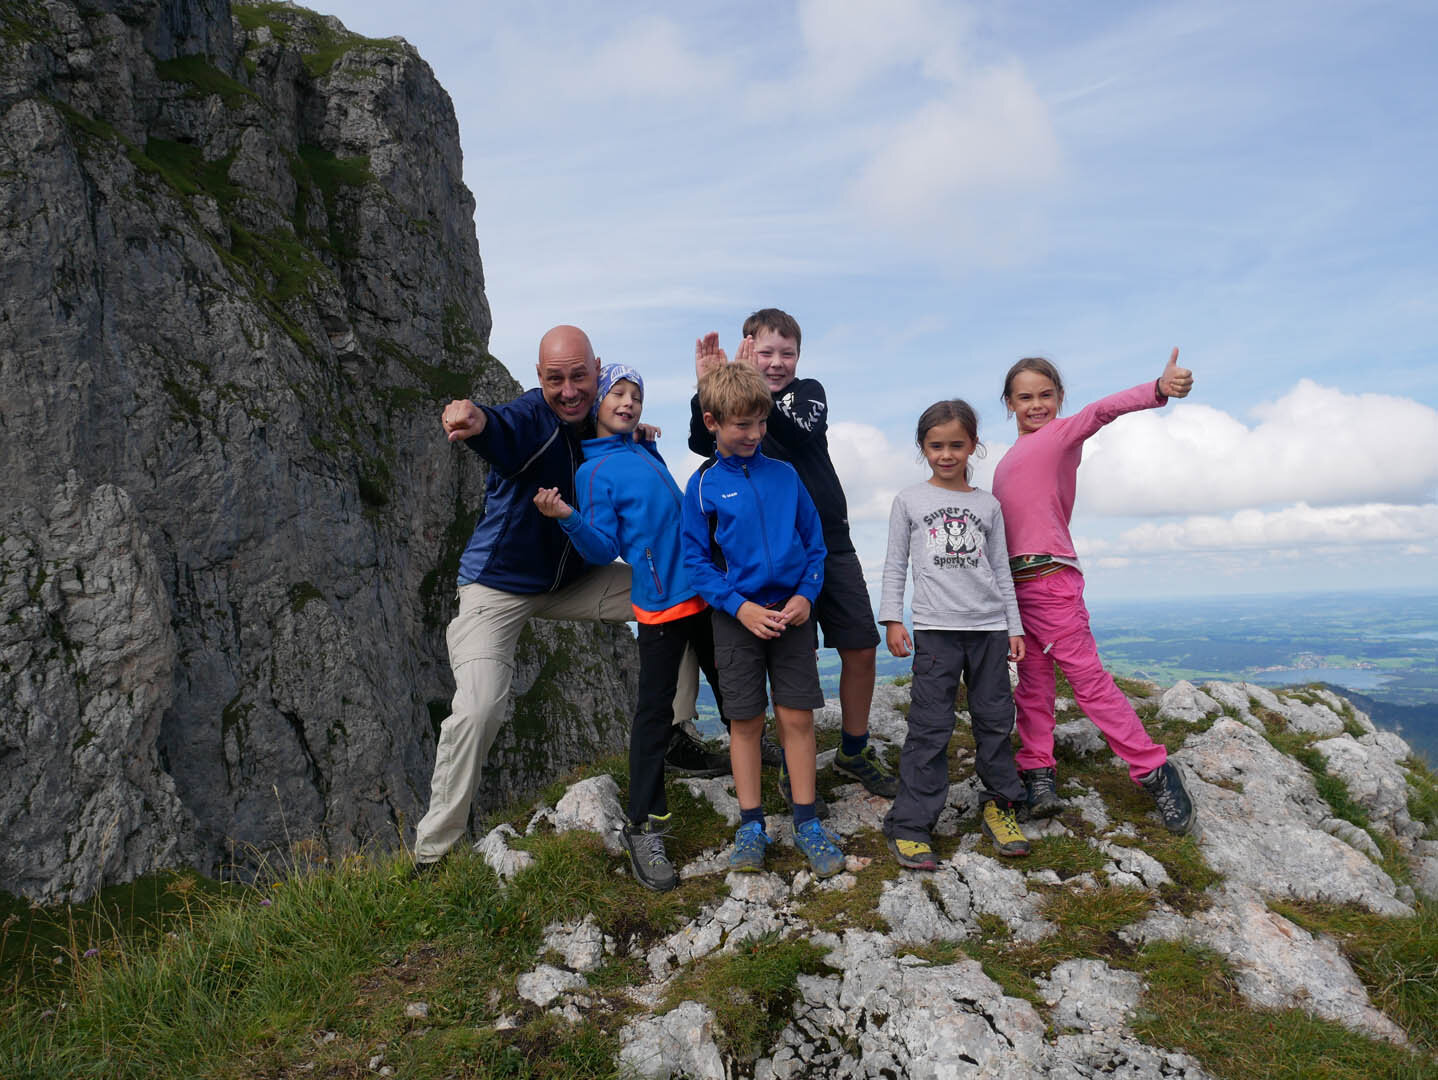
238 280
1184 701
546 984
592 805
502 859
1279 965
582 945
87 656
678 1043
1088 994
1269 834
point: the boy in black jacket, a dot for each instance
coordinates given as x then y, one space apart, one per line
798 433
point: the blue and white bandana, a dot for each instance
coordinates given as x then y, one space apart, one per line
610 374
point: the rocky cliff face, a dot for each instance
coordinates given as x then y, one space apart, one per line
238 278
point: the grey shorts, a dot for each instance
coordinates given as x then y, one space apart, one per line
745 662
843 609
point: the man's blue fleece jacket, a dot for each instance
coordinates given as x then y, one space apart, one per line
628 506
515 548
751 533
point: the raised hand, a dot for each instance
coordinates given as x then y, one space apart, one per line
549 503
462 420
708 356
1175 381
745 353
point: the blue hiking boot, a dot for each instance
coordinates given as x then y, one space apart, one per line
820 847
749 844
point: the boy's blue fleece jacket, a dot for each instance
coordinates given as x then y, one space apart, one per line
628 506
767 542
515 548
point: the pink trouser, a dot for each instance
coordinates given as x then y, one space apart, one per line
1056 631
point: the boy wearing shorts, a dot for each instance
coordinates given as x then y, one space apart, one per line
798 424
754 549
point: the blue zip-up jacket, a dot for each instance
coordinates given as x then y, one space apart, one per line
751 533
628 506
515 548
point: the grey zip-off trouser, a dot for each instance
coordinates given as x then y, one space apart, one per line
941 657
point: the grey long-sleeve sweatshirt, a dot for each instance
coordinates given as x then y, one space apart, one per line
954 541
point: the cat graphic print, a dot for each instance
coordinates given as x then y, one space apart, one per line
955 537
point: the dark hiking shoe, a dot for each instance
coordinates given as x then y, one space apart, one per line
820 847
913 854
1041 794
645 845
821 808
1002 828
869 769
1175 805
688 756
771 754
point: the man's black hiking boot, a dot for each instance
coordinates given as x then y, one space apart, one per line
771 754
1041 797
821 808
1175 805
688 756
647 857
869 769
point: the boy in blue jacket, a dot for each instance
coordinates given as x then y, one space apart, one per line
628 506
754 549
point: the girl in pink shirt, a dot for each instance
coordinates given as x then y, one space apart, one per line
1035 484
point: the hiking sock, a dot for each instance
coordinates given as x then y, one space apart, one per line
746 816
803 811
849 745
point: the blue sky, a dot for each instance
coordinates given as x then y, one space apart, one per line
936 189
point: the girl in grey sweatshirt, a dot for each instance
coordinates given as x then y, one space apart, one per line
966 624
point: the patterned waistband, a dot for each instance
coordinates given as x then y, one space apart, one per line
1032 567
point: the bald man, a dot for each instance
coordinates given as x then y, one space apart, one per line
519 565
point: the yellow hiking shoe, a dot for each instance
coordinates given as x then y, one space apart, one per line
913 854
1002 828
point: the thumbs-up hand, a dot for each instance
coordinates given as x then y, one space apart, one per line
1175 381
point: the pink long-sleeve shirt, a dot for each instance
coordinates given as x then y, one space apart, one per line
1036 479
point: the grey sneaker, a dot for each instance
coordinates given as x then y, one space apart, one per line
688 756
821 808
1175 805
869 769
1041 788
645 845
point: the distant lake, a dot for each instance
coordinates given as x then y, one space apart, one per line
1359 679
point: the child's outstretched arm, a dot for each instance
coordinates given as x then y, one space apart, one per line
594 531
1173 382
896 568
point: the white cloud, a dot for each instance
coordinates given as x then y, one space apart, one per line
871 468
851 42
942 171
1299 528
1315 445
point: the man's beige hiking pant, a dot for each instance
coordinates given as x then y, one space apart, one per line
482 639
